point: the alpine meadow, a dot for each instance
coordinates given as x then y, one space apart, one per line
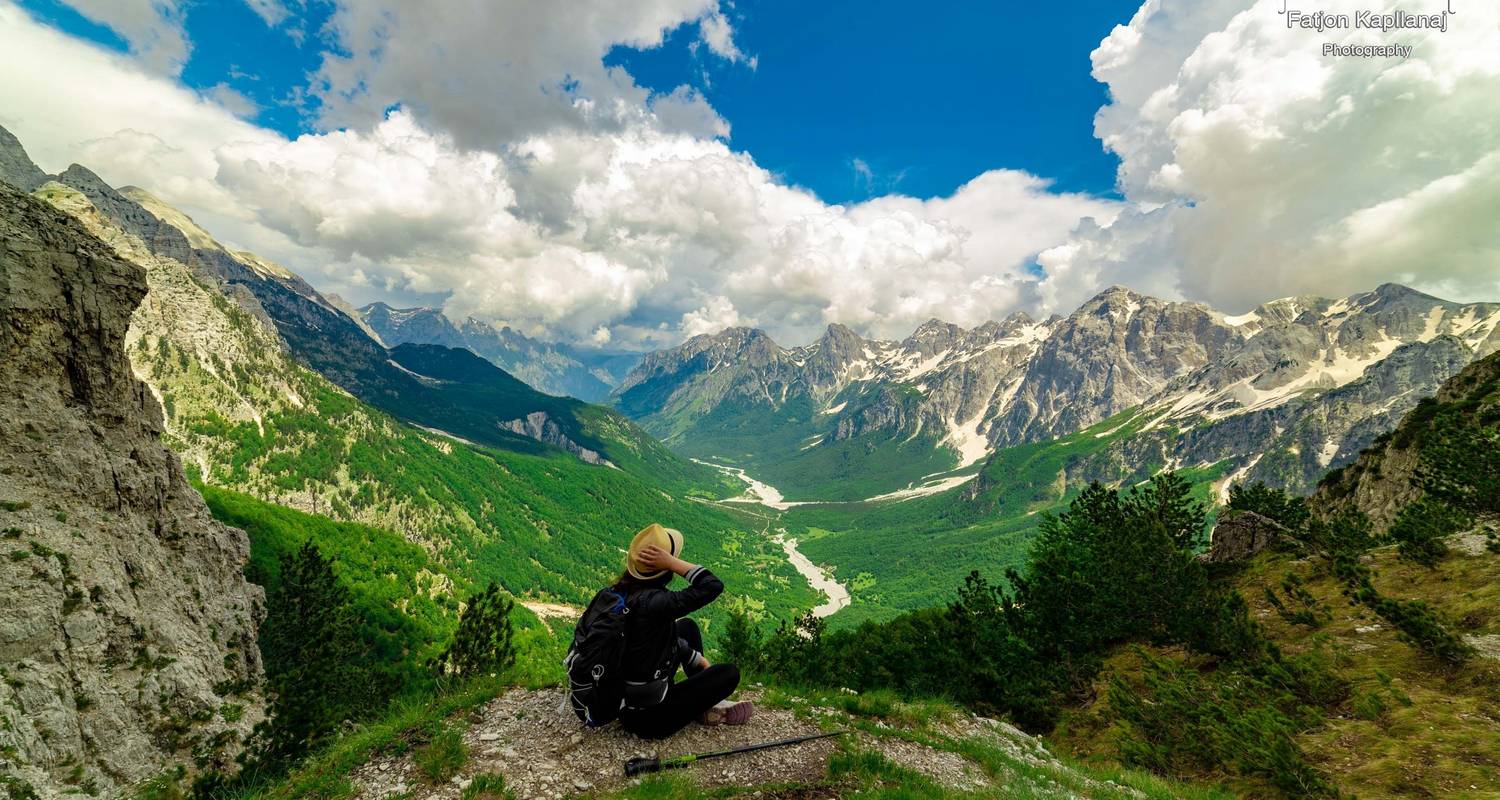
689 398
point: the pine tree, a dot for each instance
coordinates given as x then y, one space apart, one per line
1271 503
483 643
316 662
741 643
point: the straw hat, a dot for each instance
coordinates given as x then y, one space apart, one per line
665 538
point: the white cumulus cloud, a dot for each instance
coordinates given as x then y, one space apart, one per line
635 229
1259 167
152 28
490 73
519 180
574 231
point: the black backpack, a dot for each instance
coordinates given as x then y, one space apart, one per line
596 688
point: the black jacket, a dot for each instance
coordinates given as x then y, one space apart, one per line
651 626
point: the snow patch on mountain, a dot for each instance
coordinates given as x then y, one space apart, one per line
968 441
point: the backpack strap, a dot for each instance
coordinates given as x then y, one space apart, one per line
621 605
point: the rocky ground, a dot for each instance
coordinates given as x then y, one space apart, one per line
543 753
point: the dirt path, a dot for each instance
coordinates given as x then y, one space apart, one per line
543 752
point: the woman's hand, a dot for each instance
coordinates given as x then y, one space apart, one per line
653 558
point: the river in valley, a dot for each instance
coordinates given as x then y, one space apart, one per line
767 495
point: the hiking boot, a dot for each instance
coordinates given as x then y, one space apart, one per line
729 713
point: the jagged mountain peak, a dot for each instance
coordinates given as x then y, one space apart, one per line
935 327
840 343
1397 297
388 314
1397 290
79 177
1114 295
16 167
196 235
734 339
838 330
1117 304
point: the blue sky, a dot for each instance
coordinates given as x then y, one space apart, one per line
848 99
926 100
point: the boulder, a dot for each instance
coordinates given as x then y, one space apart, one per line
1240 535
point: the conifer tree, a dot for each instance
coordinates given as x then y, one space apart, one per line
742 643
316 672
483 643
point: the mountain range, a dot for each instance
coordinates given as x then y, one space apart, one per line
554 368
1285 392
273 388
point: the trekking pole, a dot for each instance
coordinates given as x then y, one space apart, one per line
638 766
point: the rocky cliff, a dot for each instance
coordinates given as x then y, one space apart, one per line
128 639
1390 474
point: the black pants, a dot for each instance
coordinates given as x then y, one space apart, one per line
688 700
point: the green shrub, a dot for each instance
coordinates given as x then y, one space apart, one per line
442 756
1185 722
17 789
1420 530
1415 622
487 786
1300 607
1374 704
1346 533
880 703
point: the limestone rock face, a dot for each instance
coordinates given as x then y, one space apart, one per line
537 425
127 642
1240 535
15 167
1386 477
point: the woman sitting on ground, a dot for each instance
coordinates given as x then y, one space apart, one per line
659 638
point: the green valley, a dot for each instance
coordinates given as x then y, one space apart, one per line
902 554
